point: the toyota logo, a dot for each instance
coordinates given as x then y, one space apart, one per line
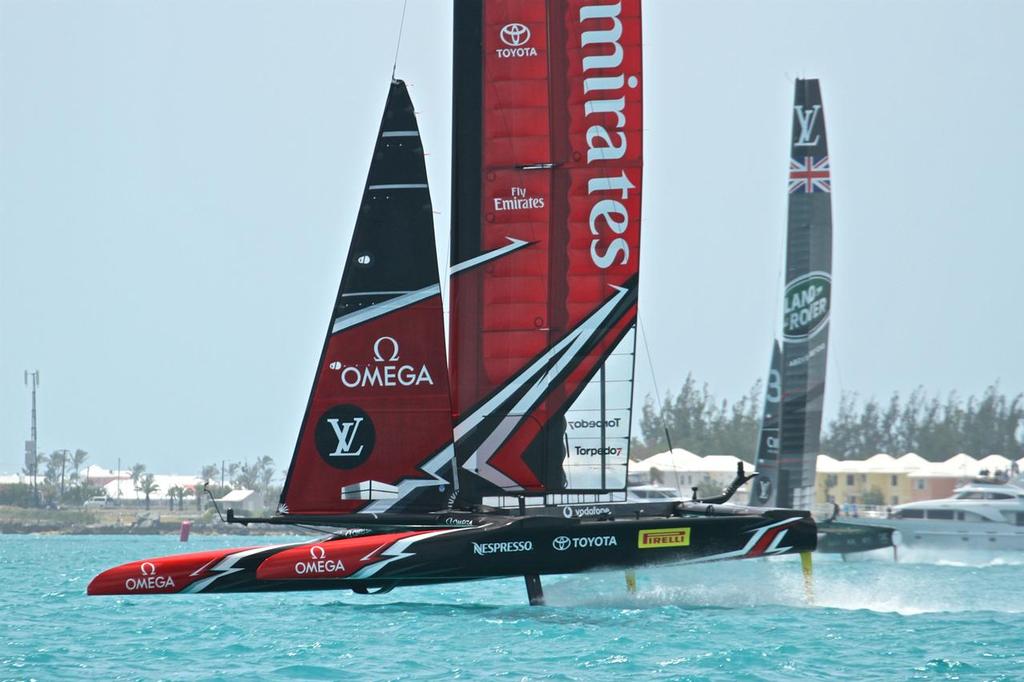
317 552
515 35
148 568
561 543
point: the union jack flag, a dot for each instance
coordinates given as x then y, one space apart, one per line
810 174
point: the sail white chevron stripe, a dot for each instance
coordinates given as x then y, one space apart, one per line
407 485
538 365
513 245
383 308
511 421
542 376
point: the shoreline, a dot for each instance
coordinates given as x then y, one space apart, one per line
121 521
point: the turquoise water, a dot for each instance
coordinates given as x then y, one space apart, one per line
931 618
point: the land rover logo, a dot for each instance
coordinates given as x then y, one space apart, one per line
806 305
561 543
344 436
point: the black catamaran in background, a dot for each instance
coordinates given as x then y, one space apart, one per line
790 437
545 263
791 427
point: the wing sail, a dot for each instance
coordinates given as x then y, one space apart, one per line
807 298
545 241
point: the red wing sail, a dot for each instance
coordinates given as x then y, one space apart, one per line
377 435
545 243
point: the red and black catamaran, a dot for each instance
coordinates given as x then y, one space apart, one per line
510 458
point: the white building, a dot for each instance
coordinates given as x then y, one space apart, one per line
241 500
682 470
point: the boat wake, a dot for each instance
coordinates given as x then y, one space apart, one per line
872 586
964 559
937 557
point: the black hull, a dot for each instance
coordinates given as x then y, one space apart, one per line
835 537
498 547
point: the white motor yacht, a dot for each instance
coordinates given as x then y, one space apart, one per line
984 514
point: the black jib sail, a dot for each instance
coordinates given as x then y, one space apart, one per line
806 308
767 464
377 435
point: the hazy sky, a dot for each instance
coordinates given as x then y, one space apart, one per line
179 180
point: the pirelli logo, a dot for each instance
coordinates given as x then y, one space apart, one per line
663 537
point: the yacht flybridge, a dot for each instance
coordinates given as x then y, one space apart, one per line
984 514
399 449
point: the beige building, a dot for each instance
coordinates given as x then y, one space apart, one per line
887 481
881 480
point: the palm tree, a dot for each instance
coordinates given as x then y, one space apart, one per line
210 472
232 472
59 458
266 473
77 460
137 471
146 485
247 477
51 477
172 492
182 492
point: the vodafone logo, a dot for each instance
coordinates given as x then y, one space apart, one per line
516 36
583 512
385 368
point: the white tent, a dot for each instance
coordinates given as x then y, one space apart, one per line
994 463
676 459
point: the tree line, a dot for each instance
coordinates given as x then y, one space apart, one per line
935 428
56 478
